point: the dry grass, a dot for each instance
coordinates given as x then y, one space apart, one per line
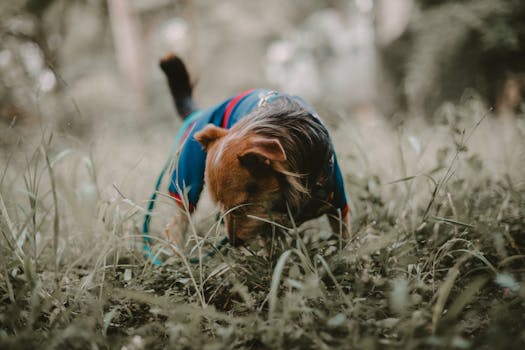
436 260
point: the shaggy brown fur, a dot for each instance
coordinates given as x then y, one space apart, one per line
265 168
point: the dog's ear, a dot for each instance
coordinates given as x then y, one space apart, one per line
263 150
209 134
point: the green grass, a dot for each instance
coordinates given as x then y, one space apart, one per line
435 260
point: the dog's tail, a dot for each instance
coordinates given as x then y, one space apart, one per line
179 84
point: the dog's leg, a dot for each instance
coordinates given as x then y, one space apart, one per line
177 231
182 232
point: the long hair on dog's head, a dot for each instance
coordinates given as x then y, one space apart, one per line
266 166
303 137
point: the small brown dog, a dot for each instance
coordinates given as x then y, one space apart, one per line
266 157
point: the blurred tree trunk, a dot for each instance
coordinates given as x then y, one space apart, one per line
128 52
391 20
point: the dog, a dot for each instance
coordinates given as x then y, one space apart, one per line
265 157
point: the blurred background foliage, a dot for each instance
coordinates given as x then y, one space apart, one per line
79 63
452 46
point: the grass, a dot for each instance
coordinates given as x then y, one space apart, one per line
436 258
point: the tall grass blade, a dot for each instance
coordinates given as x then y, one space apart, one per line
444 291
276 281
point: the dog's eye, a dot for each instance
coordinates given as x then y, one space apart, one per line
252 187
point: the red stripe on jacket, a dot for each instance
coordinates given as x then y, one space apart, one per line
180 202
231 105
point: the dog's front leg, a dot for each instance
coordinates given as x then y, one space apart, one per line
177 231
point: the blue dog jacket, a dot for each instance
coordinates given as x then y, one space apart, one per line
188 175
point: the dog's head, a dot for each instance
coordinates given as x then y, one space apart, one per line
244 176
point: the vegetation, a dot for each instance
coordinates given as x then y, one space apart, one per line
436 259
451 46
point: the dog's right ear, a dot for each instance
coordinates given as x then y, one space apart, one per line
209 134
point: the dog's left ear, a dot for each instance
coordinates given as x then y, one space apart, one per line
263 150
209 134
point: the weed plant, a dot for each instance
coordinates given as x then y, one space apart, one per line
435 260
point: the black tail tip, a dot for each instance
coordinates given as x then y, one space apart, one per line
179 83
177 75
171 62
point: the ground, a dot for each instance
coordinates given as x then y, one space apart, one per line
435 259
